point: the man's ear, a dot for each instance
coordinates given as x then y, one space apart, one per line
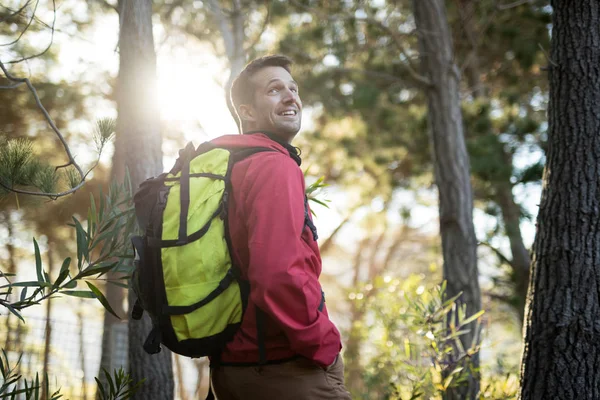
247 113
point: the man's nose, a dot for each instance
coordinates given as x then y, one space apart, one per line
289 96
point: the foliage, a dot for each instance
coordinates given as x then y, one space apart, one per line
314 189
102 246
11 377
120 386
414 353
20 168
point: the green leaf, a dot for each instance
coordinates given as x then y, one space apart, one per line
82 244
110 382
37 386
472 318
23 294
64 272
84 294
98 269
319 202
15 312
93 213
102 299
38 261
100 389
119 284
31 284
72 284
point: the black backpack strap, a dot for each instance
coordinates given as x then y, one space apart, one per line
184 198
307 221
322 303
185 155
152 343
137 311
180 310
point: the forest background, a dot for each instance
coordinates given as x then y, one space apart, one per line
365 132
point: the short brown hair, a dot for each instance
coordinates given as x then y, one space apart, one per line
242 90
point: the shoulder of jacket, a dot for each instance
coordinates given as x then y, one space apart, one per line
272 158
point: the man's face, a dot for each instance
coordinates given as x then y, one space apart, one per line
277 107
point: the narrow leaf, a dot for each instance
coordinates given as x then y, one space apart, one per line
102 299
82 244
84 294
15 312
64 272
23 294
98 269
38 261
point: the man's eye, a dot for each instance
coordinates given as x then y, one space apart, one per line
274 90
295 90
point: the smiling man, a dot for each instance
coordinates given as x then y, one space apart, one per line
286 347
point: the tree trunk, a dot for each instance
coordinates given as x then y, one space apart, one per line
12 269
520 263
451 163
562 352
48 325
138 150
82 360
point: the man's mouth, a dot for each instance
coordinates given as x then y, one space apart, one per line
288 113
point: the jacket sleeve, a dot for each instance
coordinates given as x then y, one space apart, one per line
281 271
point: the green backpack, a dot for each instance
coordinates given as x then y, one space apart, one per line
184 276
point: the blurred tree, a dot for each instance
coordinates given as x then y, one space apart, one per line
356 62
452 174
138 151
561 349
509 86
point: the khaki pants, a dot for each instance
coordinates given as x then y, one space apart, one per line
299 379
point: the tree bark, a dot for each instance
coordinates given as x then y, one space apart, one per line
562 351
521 261
451 163
138 150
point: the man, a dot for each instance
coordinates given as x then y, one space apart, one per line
287 348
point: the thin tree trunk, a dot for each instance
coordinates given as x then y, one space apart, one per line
80 324
562 351
352 352
12 269
48 325
521 261
451 162
138 150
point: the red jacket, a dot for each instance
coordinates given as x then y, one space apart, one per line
278 255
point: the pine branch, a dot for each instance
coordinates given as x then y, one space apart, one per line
49 44
105 129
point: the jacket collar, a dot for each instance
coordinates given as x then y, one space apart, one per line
294 152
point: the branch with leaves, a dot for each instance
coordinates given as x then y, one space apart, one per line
17 166
102 246
12 384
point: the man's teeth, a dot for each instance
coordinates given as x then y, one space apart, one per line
288 113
